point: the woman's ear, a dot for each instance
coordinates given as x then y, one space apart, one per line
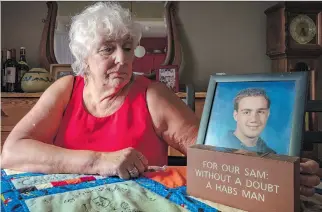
86 67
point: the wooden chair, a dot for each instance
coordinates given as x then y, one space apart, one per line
313 135
190 99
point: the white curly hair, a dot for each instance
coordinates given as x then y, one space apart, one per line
98 22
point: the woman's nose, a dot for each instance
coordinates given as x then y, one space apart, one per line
120 56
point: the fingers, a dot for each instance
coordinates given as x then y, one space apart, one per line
130 171
123 173
309 176
309 166
143 160
309 180
131 164
306 191
139 165
133 171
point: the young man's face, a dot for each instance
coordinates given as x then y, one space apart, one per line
251 116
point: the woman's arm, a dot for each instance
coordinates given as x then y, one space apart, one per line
29 146
173 120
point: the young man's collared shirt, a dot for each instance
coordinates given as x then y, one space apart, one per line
231 141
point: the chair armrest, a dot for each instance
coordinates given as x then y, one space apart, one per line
190 96
177 161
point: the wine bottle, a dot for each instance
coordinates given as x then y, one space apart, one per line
10 72
3 75
22 68
14 58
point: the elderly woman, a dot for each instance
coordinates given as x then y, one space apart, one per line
105 120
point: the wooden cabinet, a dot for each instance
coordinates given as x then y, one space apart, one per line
13 109
14 106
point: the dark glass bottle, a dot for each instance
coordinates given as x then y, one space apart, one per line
3 76
22 68
13 56
10 72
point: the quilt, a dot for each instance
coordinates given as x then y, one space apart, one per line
162 190
154 191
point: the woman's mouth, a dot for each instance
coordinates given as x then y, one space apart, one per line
116 73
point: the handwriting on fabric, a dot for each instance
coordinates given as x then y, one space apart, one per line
122 196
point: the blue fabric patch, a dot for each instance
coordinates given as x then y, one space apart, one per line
14 200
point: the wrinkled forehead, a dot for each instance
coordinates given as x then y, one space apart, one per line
116 39
253 103
123 40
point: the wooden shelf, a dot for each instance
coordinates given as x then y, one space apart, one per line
20 95
198 95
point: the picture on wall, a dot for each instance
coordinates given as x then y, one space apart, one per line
60 70
255 112
169 75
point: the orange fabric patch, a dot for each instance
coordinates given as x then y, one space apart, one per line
172 177
73 181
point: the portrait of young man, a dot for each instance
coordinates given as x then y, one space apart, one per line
251 112
255 116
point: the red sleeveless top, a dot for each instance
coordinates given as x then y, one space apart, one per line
130 126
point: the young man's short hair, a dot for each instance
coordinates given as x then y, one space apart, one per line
250 92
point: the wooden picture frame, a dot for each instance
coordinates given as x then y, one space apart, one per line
281 131
169 75
60 70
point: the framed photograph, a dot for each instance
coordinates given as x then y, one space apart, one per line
262 113
60 70
168 75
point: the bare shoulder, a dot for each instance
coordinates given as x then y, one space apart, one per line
158 90
160 96
61 86
60 90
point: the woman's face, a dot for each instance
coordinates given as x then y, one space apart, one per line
111 63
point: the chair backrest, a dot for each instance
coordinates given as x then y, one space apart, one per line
311 132
190 98
313 136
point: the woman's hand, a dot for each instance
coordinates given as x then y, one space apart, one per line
126 163
310 176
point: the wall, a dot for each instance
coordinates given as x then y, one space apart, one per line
216 36
21 25
143 9
222 37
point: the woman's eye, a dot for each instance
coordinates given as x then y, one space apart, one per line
107 50
127 49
